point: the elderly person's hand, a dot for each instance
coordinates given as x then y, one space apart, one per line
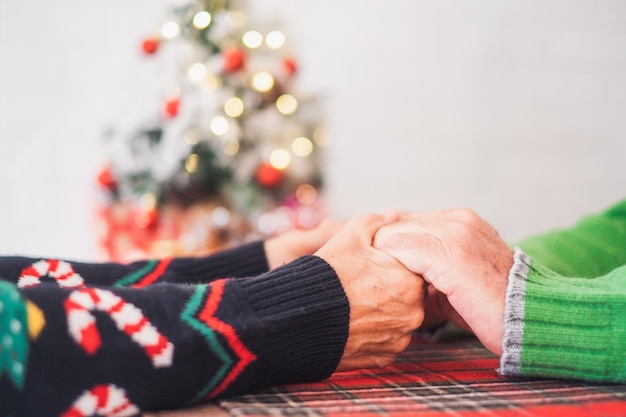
465 261
288 246
385 298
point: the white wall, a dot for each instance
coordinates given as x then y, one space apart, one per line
514 108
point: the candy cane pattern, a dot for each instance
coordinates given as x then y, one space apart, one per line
127 318
103 400
61 271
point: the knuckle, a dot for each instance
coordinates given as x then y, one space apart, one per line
416 319
466 215
403 343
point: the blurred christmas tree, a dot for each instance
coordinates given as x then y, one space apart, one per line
233 154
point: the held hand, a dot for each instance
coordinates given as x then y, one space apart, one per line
438 310
288 246
464 259
385 298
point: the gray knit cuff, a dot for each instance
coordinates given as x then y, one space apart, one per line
510 362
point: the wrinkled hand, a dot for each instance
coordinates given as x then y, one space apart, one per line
288 246
385 298
465 261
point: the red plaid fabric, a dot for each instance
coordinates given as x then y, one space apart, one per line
434 379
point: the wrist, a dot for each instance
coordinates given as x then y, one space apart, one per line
273 251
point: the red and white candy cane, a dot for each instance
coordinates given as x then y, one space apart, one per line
61 271
102 400
127 318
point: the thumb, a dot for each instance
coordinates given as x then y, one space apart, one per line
438 310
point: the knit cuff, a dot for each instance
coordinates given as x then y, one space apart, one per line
306 315
510 361
564 327
247 260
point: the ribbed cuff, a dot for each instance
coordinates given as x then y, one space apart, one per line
244 261
306 314
510 361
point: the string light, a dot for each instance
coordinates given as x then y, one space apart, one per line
307 217
220 216
230 147
287 104
234 107
252 39
197 72
306 194
211 82
191 164
192 135
202 20
267 223
302 146
275 39
147 201
236 18
280 159
263 81
274 221
319 136
170 30
219 125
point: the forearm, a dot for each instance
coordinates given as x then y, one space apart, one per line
247 260
172 345
559 326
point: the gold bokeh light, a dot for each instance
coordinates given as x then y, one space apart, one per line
302 146
234 107
280 159
202 20
263 81
287 104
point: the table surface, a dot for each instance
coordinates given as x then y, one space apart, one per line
453 378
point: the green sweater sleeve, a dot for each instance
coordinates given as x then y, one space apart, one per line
594 246
566 302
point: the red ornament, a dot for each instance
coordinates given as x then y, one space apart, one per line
106 179
289 66
268 176
171 107
150 45
234 60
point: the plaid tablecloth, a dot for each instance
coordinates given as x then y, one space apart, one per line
456 378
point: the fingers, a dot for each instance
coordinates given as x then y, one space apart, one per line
366 225
416 251
375 354
385 298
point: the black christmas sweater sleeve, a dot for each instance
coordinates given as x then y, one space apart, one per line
243 261
91 350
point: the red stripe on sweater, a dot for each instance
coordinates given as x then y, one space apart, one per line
155 350
70 305
101 392
90 338
207 315
154 275
30 271
117 307
130 329
53 264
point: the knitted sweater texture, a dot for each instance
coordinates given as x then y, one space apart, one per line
81 339
566 302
